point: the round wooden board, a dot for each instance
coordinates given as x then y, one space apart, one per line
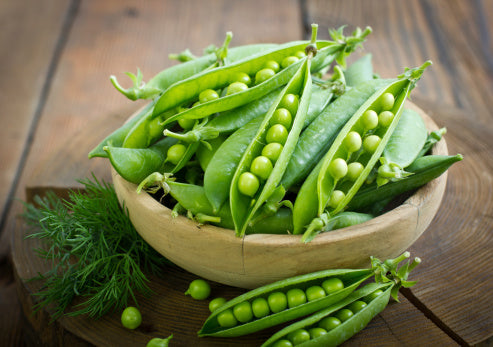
169 311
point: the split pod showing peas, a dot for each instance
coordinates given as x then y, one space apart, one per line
282 301
337 323
265 159
249 79
352 155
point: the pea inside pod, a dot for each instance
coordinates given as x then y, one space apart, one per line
276 296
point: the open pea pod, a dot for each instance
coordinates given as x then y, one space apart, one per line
189 90
352 155
299 333
351 279
258 173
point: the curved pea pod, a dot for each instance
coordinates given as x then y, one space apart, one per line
244 207
188 90
360 71
351 279
222 167
117 137
328 176
135 164
165 78
346 329
317 137
423 169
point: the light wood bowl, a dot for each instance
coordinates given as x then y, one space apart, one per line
217 254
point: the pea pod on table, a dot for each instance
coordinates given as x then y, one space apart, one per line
270 304
360 144
239 93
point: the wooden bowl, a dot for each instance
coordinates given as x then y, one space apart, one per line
217 254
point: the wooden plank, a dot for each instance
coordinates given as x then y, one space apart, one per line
406 33
29 35
168 311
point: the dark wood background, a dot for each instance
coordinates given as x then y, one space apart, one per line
56 103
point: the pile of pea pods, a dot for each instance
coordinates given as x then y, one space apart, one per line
276 138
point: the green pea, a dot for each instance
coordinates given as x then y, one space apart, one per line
226 319
261 167
354 170
290 102
299 336
175 153
186 123
260 307
369 119
242 77
314 293
385 118
248 184
277 133
387 101
344 314
131 318
357 306
316 332
338 168
370 143
289 61
208 95
300 54
236 87
336 197
329 323
296 297
263 75
215 303
332 285
373 295
272 151
282 116
283 343
199 289
273 65
352 141
243 312
277 302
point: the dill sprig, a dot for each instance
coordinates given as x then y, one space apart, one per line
94 251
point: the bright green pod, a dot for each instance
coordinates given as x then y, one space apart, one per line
351 278
135 164
205 153
320 181
349 327
187 90
243 208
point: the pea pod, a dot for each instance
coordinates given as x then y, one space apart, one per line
341 331
423 169
117 137
432 138
188 90
316 139
161 81
339 221
352 144
244 204
337 323
360 71
350 278
135 164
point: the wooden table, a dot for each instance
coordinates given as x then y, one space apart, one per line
57 103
